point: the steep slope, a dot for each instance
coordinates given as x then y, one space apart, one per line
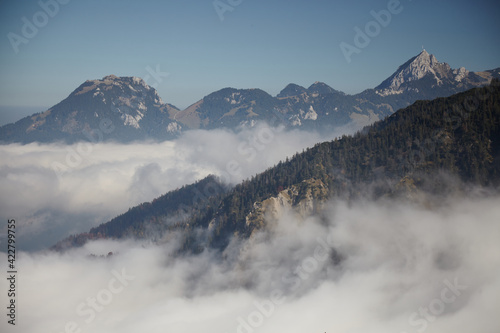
292 89
121 109
126 109
321 88
424 74
404 152
416 149
228 107
168 213
320 107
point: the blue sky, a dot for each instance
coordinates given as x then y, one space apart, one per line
260 44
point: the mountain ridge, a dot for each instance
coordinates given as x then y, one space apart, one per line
420 66
416 150
137 112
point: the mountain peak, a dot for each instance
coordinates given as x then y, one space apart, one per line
414 69
292 89
128 85
110 77
321 89
424 60
116 80
133 80
424 53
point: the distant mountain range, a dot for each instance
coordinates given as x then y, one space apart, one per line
126 109
431 147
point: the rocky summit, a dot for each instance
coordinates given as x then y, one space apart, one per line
113 108
437 76
126 109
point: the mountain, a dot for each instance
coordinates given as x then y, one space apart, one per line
320 107
321 88
166 214
424 74
113 108
125 109
429 147
292 90
228 107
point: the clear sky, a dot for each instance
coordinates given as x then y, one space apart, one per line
259 44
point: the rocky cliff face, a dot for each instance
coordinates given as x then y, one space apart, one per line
439 75
302 199
135 111
112 108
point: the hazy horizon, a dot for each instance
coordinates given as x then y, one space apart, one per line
249 44
392 229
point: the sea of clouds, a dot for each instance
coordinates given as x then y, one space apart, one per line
377 267
364 266
54 190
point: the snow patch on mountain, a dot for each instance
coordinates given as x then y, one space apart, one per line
133 121
423 65
234 99
311 114
413 70
460 74
295 120
174 127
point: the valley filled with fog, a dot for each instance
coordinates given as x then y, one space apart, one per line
384 266
54 190
379 267
235 166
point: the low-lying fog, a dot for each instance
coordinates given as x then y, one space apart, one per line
386 266
54 190
402 268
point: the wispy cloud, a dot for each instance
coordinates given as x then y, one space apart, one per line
385 266
110 178
399 262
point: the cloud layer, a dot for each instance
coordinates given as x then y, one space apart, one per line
377 267
55 190
386 266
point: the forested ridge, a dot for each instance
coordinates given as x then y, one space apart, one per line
459 135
